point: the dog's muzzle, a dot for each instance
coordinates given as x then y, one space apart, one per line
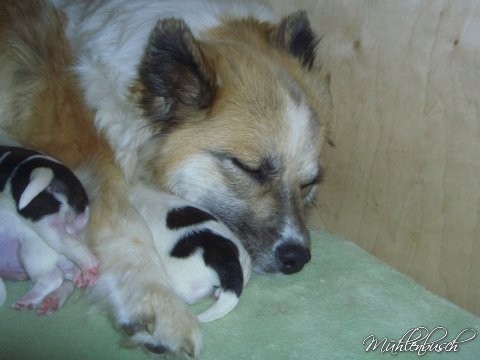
292 257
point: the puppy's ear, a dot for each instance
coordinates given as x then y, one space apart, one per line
295 35
174 72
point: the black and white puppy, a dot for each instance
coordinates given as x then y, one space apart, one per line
43 213
201 256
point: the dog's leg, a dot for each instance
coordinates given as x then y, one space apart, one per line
132 280
56 299
40 262
42 286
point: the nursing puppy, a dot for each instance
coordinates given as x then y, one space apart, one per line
198 252
218 102
44 211
52 202
24 255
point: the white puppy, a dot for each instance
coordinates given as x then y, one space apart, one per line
26 256
199 253
43 212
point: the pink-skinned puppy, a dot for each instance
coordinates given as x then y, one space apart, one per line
24 255
45 210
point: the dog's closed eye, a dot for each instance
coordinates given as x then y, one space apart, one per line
260 173
308 186
315 181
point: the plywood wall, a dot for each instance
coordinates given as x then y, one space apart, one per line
404 178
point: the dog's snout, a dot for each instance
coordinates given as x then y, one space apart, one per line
292 257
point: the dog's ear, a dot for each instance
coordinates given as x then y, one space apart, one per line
295 35
174 72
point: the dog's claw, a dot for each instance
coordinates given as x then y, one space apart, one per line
157 349
165 324
132 329
150 327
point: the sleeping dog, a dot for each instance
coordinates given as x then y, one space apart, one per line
218 102
197 251
43 213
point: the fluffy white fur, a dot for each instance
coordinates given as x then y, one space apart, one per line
39 180
109 38
39 260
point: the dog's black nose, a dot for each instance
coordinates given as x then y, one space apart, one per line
292 257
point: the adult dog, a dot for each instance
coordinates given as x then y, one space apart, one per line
218 102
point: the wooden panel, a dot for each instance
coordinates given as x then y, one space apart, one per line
404 178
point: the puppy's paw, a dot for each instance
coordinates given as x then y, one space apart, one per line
90 275
86 277
23 304
49 305
78 278
55 299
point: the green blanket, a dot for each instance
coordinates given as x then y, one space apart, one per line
341 298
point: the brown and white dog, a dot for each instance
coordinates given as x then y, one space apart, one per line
218 102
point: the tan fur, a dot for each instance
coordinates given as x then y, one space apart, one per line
41 106
53 100
50 116
241 54
248 69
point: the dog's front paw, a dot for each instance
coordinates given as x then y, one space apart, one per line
153 317
166 324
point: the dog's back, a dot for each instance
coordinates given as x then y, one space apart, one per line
40 103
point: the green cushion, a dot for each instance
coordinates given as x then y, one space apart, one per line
324 312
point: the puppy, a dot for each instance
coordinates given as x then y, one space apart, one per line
44 210
198 252
26 256
218 102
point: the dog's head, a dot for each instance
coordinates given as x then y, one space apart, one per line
240 117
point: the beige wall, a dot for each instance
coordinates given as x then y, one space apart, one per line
404 178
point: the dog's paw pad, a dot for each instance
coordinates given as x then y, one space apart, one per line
90 276
132 328
87 277
20 305
49 305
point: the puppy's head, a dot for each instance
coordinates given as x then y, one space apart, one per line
240 117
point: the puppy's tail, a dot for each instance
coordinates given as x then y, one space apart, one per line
226 302
3 292
231 287
40 178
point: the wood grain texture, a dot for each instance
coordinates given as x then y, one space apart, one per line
404 178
